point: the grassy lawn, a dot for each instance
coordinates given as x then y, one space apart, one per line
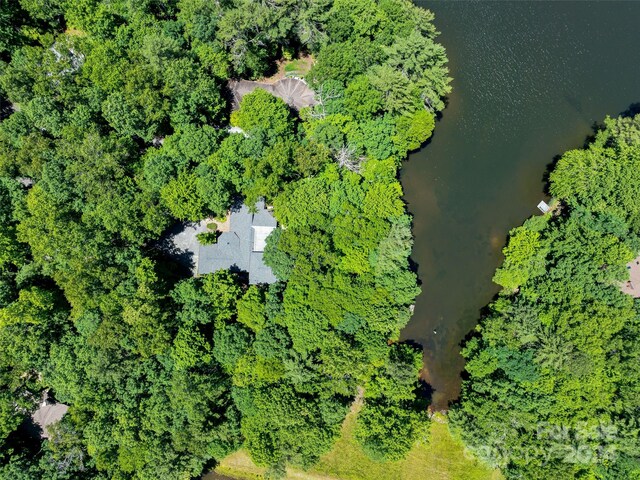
298 67
439 458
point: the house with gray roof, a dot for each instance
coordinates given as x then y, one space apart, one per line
241 247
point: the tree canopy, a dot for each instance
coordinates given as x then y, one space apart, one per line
553 383
116 125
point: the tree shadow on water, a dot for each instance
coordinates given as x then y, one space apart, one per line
424 394
413 267
424 391
632 111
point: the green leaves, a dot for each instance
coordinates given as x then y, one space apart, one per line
393 416
424 62
361 99
251 309
524 258
182 198
555 350
413 130
260 110
34 306
604 176
292 427
119 128
388 431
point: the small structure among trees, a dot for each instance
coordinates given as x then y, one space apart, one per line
632 286
48 413
543 207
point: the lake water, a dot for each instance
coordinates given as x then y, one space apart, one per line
530 80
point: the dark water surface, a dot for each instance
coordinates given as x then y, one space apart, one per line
530 79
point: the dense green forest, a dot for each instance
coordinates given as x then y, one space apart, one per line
115 119
553 369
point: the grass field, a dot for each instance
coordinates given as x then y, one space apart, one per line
439 458
298 67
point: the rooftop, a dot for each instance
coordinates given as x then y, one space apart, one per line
295 92
49 412
240 248
632 286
